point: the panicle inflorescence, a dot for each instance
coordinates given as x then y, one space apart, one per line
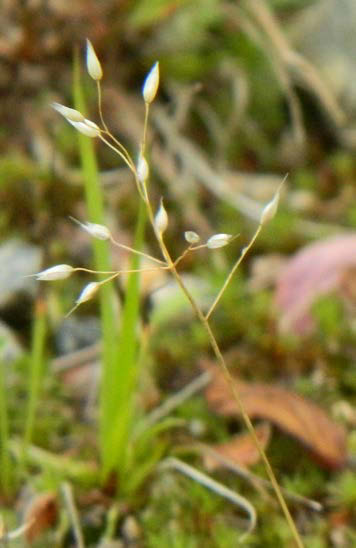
141 173
159 223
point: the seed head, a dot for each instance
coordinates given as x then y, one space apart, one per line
151 84
191 237
70 114
58 272
100 232
218 240
161 220
93 64
143 169
270 209
87 292
87 127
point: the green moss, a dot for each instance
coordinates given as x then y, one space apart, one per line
304 179
343 163
343 491
351 216
190 513
329 313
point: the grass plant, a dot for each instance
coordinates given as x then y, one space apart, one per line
120 360
36 363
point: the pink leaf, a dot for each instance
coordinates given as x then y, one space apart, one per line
316 270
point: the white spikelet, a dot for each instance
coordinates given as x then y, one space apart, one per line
270 209
70 114
151 84
87 293
87 127
161 219
100 232
191 237
218 240
93 64
58 272
143 169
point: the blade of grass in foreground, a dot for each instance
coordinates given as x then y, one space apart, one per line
119 371
109 321
35 373
129 359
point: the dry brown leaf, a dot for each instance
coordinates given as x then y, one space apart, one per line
42 514
292 413
317 269
240 449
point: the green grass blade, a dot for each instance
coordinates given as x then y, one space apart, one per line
36 371
120 369
124 410
109 320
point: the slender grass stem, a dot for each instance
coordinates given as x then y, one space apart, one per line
117 151
90 271
145 125
106 129
100 106
244 252
129 164
121 147
181 257
122 246
116 273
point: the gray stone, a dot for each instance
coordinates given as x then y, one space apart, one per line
10 348
18 259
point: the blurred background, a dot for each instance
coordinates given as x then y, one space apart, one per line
250 91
